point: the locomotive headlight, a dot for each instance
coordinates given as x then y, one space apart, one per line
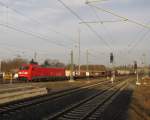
20 72
25 73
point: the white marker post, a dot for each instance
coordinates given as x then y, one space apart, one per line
137 78
137 74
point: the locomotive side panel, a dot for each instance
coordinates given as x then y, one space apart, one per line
36 72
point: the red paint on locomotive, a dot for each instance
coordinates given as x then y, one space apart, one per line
33 71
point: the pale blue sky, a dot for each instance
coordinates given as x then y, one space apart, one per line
51 23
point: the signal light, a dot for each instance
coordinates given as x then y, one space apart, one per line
111 58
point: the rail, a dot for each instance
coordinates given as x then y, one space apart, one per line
84 109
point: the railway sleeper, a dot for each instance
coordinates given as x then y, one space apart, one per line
71 117
92 109
78 114
97 115
105 95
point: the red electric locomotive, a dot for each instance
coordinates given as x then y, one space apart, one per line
35 72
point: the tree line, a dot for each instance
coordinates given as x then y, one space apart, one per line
12 65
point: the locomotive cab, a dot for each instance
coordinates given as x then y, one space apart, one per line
24 72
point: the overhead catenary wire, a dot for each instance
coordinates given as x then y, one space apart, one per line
14 47
79 18
124 18
13 27
20 13
94 1
27 32
138 41
14 50
39 34
127 20
134 43
34 20
101 22
31 34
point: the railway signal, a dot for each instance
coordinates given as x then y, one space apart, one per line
113 70
135 66
111 58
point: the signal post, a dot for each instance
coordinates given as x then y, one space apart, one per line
71 68
113 68
87 66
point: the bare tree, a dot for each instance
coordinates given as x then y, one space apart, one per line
10 65
53 63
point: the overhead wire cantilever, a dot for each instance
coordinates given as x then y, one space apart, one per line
117 15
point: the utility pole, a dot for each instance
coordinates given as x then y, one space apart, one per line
144 68
144 65
35 56
0 66
79 54
71 68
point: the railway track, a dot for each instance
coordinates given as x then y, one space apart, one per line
92 107
10 108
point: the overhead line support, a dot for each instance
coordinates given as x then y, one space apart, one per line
125 18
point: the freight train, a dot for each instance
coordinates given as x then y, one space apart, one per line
34 72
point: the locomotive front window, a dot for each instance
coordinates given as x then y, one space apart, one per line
24 67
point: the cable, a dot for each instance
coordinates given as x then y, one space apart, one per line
16 29
78 17
138 41
34 20
108 32
87 1
39 34
31 34
135 40
101 22
124 18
